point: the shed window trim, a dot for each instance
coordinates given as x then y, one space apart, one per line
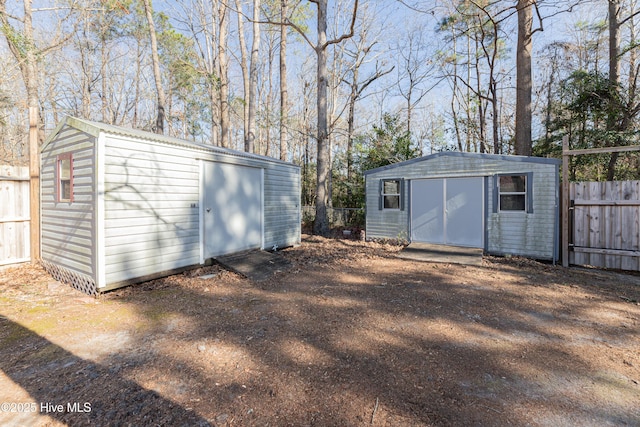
391 194
64 178
515 196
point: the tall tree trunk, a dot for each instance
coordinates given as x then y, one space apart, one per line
614 67
470 119
283 81
136 99
104 105
409 109
496 117
215 113
353 97
549 106
159 127
321 222
86 66
223 63
245 73
631 78
493 88
523 144
454 110
265 130
211 66
481 105
253 79
207 13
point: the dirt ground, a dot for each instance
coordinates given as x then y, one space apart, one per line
349 335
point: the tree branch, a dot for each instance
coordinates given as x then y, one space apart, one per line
541 27
376 76
288 23
628 18
351 28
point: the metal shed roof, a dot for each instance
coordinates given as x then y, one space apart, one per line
435 156
94 128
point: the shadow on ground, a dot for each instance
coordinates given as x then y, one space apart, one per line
76 391
351 335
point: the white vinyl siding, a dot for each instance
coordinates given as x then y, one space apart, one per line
68 232
152 197
151 215
137 198
281 206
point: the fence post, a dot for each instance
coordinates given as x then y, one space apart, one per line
34 186
565 201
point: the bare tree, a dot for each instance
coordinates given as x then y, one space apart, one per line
253 78
524 84
321 222
245 72
414 67
159 127
249 73
284 92
476 23
23 47
357 86
616 110
223 71
490 43
524 81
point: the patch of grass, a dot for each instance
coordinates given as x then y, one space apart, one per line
12 333
48 353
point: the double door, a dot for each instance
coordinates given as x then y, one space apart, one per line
448 211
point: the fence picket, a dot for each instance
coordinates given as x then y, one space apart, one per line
14 214
607 224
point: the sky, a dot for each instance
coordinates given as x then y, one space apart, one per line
392 21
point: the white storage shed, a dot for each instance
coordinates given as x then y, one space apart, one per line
120 206
506 205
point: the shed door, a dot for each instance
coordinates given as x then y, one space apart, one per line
232 208
448 211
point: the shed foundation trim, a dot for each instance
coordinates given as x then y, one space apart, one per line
79 281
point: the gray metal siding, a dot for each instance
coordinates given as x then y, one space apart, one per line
68 229
386 223
517 233
281 205
533 234
151 218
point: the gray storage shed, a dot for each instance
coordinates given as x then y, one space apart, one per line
119 206
506 205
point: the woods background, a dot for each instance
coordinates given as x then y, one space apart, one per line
337 87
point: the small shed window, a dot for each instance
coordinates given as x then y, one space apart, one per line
391 194
513 192
64 172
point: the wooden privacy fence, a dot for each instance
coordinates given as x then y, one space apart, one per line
14 214
606 224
